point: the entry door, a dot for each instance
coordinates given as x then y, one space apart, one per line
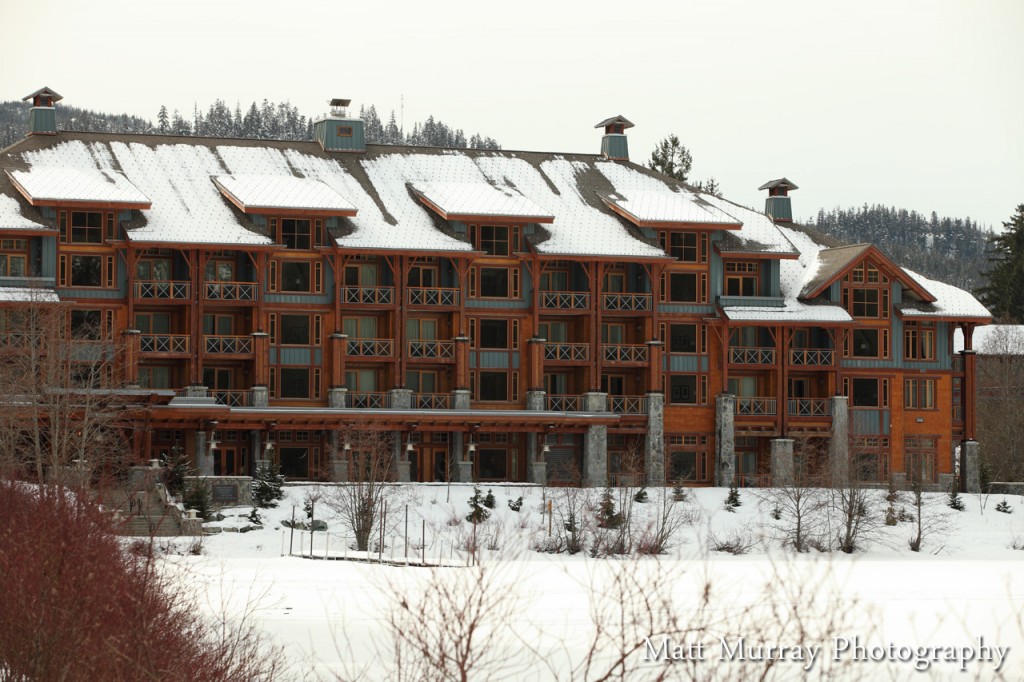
226 462
431 465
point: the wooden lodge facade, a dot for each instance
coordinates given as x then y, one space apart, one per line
503 315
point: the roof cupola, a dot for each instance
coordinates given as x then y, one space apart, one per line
776 205
613 144
41 117
339 132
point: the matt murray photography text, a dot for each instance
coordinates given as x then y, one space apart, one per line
839 650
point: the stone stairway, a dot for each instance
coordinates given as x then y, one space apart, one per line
145 513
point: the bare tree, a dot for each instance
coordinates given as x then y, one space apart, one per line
798 504
852 518
360 501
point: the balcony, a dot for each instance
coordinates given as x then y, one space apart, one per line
231 398
431 401
368 295
627 302
752 356
371 348
231 292
624 354
809 407
367 400
163 290
433 296
566 352
756 407
564 300
811 357
431 350
627 404
563 403
227 345
164 343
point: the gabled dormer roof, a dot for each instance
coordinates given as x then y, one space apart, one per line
781 182
52 94
620 120
833 264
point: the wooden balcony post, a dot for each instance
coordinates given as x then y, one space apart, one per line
131 356
261 356
967 394
339 354
462 362
655 349
535 360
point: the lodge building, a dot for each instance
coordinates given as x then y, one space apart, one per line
505 315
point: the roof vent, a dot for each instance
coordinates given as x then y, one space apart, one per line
339 132
776 205
613 144
41 118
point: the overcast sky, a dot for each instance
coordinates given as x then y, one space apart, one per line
913 103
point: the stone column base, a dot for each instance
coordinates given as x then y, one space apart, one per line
782 461
402 471
465 472
539 473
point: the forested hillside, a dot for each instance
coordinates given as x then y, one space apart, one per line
951 250
265 121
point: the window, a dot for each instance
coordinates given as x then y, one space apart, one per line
741 278
153 269
554 280
13 264
556 383
493 464
421 381
295 276
683 389
494 240
865 393
682 338
424 276
360 327
86 271
217 378
153 323
553 332
294 330
220 325
613 332
86 324
682 287
867 302
296 234
613 384
420 330
493 334
494 282
155 377
615 283
920 454
683 245
219 271
919 394
493 386
865 343
919 342
86 227
344 131
294 382
361 380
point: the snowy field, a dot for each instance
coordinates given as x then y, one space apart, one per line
951 611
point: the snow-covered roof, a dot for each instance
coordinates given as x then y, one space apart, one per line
28 295
454 200
759 235
993 339
78 185
792 311
251 193
949 302
642 207
11 217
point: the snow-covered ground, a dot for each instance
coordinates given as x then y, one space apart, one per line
913 615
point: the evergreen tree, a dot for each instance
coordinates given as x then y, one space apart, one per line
954 501
267 486
671 158
607 517
489 501
163 121
732 500
1004 293
478 512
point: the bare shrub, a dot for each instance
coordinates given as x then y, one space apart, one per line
736 542
361 500
798 505
659 534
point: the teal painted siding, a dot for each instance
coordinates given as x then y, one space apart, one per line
47 256
293 356
497 303
779 208
773 268
683 309
687 363
870 422
615 146
42 120
301 299
486 359
716 276
326 133
98 294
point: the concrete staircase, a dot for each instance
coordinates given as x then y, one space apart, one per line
147 513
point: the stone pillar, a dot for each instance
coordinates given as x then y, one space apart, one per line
725 440
839 444
782 461
970 467
204 458
256 448
536 463
595 456
260 396
461 362
337 398
456 448
195 391
398 457
595 402
401 399
535 400
460 399
654 443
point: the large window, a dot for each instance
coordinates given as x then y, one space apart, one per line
295 234
494 240
741 278
683 287
918 342
360 327
493 386
85 324
153 269
683 389
86 227
294 382
555 280
424 276
919 394
12 263
554 332
493 334
683 245
220 270
866 343
295 276
86 271
682 338
153 323
155 377
921 452
493 464
865 393
421 381
294 330
494 283
420 329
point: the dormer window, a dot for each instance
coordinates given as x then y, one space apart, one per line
344 131
495 240
741 278
296 234
86 227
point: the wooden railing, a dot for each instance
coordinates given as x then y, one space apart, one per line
563 403
431 401
368 400
164 343
811 357
752 356
368 295
809 407
227 345
564 300
230 291
433 350
438 296
371 348
628 302
164 290
619 352
627 404
231 398
566 352
756 407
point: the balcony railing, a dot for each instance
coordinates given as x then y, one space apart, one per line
563 403
567 352
431 350
809 407
436 296
371 348
627 302
564 300
227 345
164 290
230 291
627 404
369 400
368 295
752 356
811 357
164 343
231 398
756 407
431 401
618 352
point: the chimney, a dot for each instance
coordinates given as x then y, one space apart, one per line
613 144
339 132
776 205
41 118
